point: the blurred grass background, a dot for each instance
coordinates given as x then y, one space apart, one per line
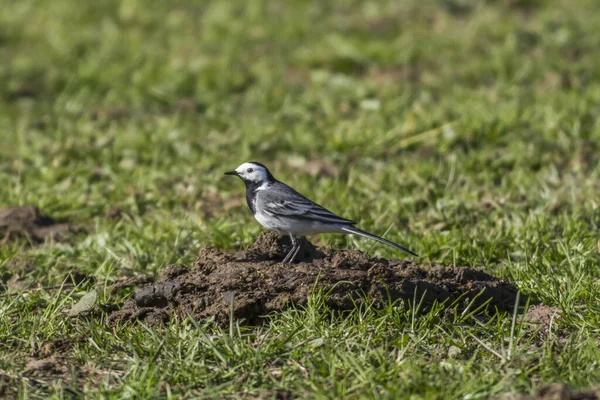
470 130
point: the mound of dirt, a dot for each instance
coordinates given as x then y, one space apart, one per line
253 283
31 223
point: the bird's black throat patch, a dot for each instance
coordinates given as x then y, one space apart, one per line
251 191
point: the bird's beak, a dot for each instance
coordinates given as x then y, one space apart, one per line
231 173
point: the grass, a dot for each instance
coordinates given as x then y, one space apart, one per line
470 130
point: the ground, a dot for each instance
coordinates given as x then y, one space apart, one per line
468 132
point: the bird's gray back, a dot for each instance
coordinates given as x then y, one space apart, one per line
281 201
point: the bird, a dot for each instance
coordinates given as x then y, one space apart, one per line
279 208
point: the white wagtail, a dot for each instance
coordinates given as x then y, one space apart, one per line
279 208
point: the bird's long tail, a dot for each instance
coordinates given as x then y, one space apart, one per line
356 231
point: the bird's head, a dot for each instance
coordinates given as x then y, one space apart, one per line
252 172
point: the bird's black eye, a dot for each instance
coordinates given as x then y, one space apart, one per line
250 170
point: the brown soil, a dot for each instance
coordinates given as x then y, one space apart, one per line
558 391
314 166
114 212
31 223
54 361
546 320
253 283
542 315
49 366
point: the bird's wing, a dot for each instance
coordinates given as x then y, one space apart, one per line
280 200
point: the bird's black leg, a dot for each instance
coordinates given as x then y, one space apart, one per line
292 253
298 246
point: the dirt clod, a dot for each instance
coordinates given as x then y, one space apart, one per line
131 282
31 223
158 295
253 283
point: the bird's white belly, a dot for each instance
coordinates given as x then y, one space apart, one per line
296 227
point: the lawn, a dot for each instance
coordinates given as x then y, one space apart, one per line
468 132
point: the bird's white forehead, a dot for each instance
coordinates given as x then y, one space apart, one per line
244 167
